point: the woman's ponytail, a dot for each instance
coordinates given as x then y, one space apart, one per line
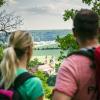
8 67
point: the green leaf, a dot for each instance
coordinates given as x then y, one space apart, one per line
2 2
87 1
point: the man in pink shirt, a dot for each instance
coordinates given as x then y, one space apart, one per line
76 79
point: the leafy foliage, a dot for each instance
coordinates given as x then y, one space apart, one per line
51 80
43 77
2 2
57 66
69 40
34 63
87 1
67 43
95 6
1 52
69 14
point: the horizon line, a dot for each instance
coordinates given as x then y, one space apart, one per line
44 29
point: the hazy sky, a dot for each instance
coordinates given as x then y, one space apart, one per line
43 14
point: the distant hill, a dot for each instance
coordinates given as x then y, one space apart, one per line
48 35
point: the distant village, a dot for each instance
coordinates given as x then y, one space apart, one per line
48 66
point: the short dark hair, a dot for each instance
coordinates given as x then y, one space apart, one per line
86 23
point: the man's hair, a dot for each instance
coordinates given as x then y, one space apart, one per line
86 23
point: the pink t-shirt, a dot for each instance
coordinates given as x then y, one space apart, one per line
76 78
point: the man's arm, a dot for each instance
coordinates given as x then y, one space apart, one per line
66 81
60 96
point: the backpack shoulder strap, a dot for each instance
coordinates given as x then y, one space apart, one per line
21 79
87 53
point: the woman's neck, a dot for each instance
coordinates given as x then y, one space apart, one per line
22 63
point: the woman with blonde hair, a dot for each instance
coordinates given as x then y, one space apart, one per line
14 63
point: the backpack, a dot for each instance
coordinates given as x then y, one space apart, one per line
12 93
94 55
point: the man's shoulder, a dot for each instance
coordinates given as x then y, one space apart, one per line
75 62
76 58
